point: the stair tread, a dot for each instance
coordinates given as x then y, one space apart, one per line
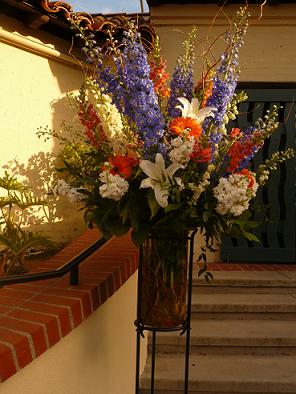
209 372
241 342
235 332
253 302
250 278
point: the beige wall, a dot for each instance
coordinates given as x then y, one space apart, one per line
98 357
269 53
35 75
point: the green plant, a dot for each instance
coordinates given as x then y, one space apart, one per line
18 243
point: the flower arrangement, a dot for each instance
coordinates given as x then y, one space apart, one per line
152 156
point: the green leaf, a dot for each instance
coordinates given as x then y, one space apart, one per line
205 216
124 212
250 236
139 237
172 207
209 276
153 204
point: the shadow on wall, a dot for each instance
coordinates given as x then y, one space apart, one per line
39 173
32 81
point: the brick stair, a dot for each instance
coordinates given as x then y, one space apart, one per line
243 338
35 316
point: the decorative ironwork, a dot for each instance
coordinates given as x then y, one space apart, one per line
277 232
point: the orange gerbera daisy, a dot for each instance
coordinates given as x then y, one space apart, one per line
181 125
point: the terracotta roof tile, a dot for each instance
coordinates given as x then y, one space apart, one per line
62 12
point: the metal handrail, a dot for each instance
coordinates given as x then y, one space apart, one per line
71 266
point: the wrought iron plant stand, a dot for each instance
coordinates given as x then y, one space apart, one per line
183 327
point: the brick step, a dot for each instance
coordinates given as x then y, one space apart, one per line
227 374
232 337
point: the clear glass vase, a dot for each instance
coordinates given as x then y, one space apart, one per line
164 281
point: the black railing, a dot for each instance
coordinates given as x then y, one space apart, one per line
71 266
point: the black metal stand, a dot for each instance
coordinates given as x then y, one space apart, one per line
184 327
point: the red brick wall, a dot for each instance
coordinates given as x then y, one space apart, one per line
34 316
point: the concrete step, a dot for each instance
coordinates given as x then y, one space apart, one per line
244 306
248 282
227 374
232 337
243 338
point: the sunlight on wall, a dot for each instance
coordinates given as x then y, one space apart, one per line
267 54
32 90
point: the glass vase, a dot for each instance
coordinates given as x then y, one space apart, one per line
163 281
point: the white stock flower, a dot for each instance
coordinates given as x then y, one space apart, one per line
234 194
191 110
197 190
114 186
181 150
111 122
160 178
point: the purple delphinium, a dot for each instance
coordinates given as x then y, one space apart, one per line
226 77
181 86
182 79
248 134
109 80
133 93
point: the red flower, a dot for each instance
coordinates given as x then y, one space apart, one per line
122 165
159 77
200 154
93 129
180 125
239 151
249 175
235 132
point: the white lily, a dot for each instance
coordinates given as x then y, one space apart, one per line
191 110
160 178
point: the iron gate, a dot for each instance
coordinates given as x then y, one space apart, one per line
278 230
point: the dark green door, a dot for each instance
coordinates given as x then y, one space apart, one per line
278 232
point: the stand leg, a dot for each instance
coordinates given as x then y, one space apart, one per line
188 321
153 361
138 361
138 324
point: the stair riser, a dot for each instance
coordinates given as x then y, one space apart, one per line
242 359
242 290
244 308
243 315
198 349
220 387
144 391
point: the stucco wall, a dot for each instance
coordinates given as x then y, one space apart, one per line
98 357
34 77
269 51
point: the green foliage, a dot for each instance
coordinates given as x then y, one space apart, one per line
17 242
